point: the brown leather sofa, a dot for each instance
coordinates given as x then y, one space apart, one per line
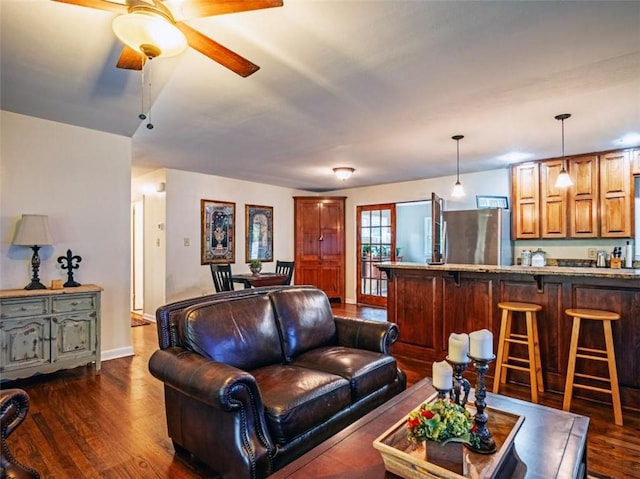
255 378
14 406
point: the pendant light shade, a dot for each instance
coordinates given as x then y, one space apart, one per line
150 31
458 190
563 180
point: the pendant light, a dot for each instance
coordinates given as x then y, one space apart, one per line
563 180
458 190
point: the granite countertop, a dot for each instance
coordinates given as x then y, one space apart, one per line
545 270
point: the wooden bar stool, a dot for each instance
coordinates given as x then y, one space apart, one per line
605 355
532 363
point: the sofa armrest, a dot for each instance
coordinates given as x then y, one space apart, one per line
365 334
213 383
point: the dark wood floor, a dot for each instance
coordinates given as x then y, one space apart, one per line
112 425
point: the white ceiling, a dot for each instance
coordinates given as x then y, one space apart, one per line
380 86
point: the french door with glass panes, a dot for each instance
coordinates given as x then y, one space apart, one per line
375 244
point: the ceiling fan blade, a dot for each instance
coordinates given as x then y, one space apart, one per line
217 52
99 4
130 59
186 9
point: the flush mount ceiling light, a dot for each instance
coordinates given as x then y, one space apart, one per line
343 172
458 190
150 30
563 180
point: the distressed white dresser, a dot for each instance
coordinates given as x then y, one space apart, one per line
46 330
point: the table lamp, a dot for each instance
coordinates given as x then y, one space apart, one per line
33 231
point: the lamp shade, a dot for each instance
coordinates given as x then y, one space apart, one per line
33 230
150 33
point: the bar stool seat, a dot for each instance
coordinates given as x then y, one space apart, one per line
531 364
604 355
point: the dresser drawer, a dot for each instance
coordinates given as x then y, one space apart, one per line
64 304
21 308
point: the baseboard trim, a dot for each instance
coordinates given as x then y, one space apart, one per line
116 353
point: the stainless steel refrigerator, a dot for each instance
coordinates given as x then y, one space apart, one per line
477 237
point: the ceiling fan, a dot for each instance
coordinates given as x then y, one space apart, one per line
155 28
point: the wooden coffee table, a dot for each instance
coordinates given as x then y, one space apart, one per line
551 443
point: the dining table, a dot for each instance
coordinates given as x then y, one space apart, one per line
251 280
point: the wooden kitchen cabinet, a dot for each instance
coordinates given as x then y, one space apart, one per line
598 205
525 195
553 201
320 243
583 196
616 200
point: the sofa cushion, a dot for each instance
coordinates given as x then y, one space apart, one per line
239 332
305 319
366 371
298 399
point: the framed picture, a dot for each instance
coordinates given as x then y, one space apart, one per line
492 202
259 231
217 231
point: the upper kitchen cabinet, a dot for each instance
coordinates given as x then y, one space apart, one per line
525 192
598 205
583 197
320 243
553 201
616 200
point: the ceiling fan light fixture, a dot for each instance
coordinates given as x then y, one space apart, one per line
343 172
150 32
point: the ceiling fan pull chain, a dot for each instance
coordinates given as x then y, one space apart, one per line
142 116
149 124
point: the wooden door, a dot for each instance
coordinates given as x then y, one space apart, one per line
616 202
583 197
525 201
320 244
375 244
553 203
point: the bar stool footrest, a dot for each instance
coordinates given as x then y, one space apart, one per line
595 378
592 388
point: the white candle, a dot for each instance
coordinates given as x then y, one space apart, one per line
442 375
481 344
459 347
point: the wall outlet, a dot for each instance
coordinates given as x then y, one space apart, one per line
592 253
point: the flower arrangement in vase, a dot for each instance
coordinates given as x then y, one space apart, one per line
255 265
441 421
444 427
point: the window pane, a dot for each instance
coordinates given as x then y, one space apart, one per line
386 218
386 234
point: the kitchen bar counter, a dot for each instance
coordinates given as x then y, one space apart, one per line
545 270
429 302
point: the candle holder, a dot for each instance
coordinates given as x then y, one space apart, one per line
442 393
486 444
460 384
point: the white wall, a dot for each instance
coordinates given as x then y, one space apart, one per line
492 183
176 269
81 179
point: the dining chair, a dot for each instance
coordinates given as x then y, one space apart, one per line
222 279
285 267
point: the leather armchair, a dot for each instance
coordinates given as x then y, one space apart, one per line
14 406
